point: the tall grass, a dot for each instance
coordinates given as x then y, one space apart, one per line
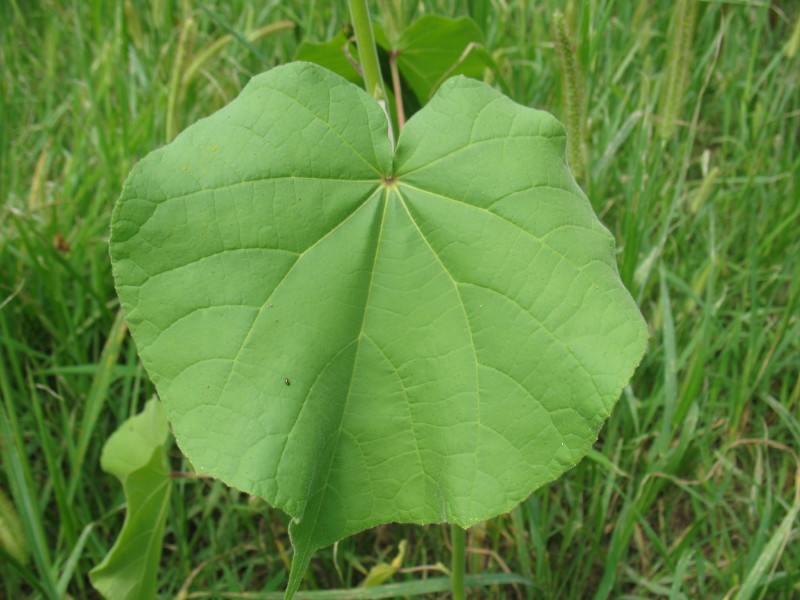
690 491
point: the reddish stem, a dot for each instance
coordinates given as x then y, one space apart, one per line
398 92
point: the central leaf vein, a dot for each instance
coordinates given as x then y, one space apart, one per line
469 329
309 526
281 282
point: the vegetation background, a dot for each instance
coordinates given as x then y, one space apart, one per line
691 145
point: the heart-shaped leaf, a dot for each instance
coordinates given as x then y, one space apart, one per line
361 336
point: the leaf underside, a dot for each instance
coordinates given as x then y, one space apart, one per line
360 336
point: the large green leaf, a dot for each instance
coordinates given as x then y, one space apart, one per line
359 336
135 454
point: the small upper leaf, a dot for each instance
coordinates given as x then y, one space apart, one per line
435 48
333 55
430 51
450 317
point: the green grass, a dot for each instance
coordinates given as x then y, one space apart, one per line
689 487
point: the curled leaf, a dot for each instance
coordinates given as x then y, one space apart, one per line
135 454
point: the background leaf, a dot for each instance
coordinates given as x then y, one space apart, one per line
382 572
428 52
360 339
435 48
135 454
332 56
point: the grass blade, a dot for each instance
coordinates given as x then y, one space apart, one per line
97 395
390 590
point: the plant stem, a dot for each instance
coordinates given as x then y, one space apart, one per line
459 539
368 56
367 51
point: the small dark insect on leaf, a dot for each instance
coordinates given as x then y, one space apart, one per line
287 382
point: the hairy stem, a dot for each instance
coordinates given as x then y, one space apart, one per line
459 539
175 90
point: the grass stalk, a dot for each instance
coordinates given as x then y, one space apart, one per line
182 52
12 536
793 45
680 52
207 54
573 96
